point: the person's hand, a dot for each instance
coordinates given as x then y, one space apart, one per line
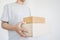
19 30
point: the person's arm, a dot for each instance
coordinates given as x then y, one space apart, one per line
10 27
7 26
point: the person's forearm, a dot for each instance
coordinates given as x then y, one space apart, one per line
8 26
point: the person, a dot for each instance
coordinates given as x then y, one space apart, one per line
12 17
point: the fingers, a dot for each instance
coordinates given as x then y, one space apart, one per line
21 23
22 34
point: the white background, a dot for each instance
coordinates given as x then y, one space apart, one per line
50 9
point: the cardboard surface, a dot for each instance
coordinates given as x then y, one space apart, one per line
28 29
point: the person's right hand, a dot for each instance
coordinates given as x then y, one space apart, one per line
20 31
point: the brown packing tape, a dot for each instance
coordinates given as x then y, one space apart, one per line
33 19
28 19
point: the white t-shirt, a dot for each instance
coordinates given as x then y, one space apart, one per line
14 13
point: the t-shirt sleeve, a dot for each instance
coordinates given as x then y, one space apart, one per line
5 14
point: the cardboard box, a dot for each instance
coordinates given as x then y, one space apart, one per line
35 26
